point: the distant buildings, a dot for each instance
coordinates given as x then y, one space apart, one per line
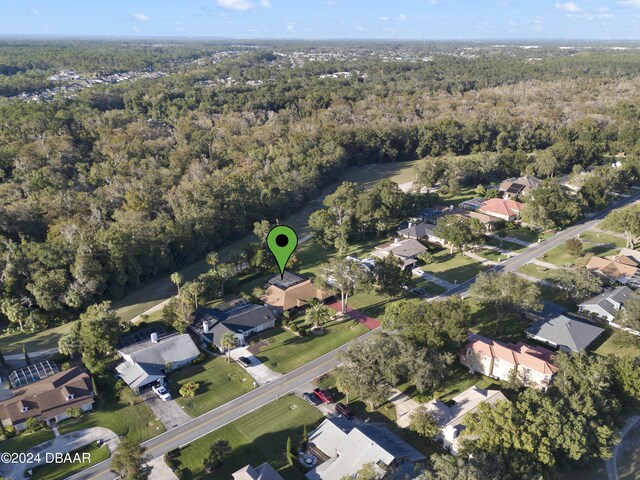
506 361
449 416
564 333
512 187
47 399
623 268
343 448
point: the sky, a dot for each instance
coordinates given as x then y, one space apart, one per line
325 19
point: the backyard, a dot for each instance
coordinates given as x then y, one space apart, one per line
258 437
220 382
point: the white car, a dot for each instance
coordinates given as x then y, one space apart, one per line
162 392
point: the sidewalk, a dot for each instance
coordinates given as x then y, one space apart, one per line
433 279
542 263
369 322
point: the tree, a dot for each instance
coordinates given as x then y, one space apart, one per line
440 325
426 258
551 206
317 314
424 423
459 231
429 172
288 452
346 276
577 283
189 389
390 275
99 330
627 221
573 247
228 342
212 259
129 459
27 360
2 362
505 292
14 311
71 344
179 311
220 449
94 386
368 471
629 316
177 280
73 412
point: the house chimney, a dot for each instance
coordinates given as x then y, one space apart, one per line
395 240
154 337
205 327
410 224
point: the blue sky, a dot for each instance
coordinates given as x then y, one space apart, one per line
324 19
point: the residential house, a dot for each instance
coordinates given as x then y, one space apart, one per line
421 231
623 268
148 361
473 204
47 399
532 365
512 187
406 250
449 416
607 304
343 448
487 220
507 210
429 215
291 291
263 472
239 317
564 333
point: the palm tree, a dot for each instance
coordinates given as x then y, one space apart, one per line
176 278
212 259
219 450
317 314
228 341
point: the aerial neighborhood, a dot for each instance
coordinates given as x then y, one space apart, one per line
290 260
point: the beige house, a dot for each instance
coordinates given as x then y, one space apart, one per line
291 291
532 365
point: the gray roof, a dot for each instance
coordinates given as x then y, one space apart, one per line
170 349
137 375
239 319
567 333
356 446
403 248
419 230
263 472
288 280
606 299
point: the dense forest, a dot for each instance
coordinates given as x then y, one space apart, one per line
115 184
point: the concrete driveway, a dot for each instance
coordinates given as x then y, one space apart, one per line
258 370
404 408
169 413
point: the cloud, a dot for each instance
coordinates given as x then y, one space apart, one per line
568 7
629 3
141 17
290 27
401 17
266 3
384 19
240 5
33 12
359 28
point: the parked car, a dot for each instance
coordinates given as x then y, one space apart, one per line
311 398
244 361
343 410
324 395
162 392
419 291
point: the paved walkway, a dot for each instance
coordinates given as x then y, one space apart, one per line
503 251
62 444
170 413
542 263
478 258
160 470
369 322
531 278
609 232
625 443
258 370
432 278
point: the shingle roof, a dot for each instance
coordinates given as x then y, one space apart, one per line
403 248
288 280
604 300
263 472
137 375
45 397
239 319
566 332
296 295
170 349
419 230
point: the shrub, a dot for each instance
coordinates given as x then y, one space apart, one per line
302 332
293 327
59 358
32 425
73 412
65 366
199 359
189 389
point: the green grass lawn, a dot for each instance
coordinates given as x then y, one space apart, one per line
560 256
464 195
621 344
59 471
287 351
430 287
11 344
453 268
25 441
603 238
496 241
492 255
220 382
260 436
536 271
484 321
137 421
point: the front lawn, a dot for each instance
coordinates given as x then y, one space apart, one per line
287 351
492 255
429 287
498 242
537 271
258 437
220 382
484 321
453 268
26 441
137 421
560 256
57 471
593 236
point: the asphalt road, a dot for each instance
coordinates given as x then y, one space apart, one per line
255 399
218 417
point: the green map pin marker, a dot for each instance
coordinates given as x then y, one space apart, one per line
282 242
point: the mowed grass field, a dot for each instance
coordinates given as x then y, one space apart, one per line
220 382
258 437
59 471
453 268
26 441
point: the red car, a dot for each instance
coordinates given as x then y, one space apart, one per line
324 395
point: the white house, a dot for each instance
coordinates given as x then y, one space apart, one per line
607 304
